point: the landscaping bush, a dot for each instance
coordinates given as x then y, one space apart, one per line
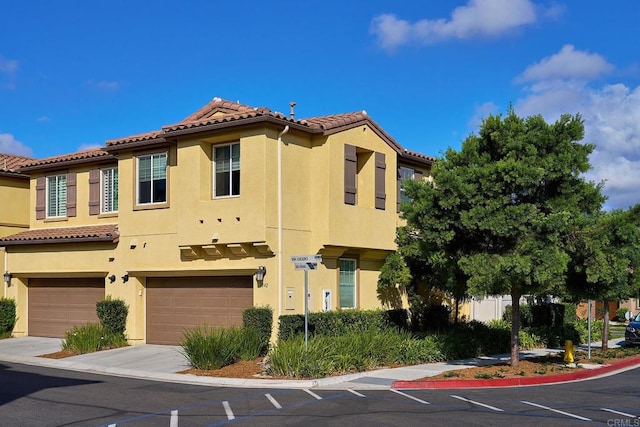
341 322
7 317
113 315
91 337
547 315
435 318
260 319
208 347
352 352
620 313
526 318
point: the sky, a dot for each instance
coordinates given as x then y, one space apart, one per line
74 74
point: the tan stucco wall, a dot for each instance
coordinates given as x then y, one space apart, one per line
180 238
14 213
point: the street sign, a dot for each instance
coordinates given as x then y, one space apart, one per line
306 266
307 258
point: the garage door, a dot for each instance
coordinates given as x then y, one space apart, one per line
56 305
176 304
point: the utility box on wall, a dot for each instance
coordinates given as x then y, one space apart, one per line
289 303
326 300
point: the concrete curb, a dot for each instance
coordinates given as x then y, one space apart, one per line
517 382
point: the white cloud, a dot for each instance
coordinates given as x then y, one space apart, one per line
89 146
567 64
611 114
477 17
480 113
43 119
8 67
10 145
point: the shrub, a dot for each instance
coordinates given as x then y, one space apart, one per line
208 347
113 315
340 322
7 317
526 318
620 313
260 319
91 337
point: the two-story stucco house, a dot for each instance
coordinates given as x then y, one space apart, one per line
194 222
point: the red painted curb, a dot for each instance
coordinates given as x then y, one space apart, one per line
511 382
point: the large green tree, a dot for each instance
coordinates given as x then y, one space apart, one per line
495 217
605 259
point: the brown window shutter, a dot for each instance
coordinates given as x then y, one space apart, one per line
381 167
71 194
350 174
94 192
41 193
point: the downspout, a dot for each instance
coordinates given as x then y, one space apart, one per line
6 268
285 130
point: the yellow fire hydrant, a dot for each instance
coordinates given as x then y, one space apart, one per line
568 352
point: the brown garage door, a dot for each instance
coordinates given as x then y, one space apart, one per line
176 304
56 305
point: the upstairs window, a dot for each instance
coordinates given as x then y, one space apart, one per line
226 170
109 185
405 174
152 179
56 196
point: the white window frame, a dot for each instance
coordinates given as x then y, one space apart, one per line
231 170
61 205
405 175
355 282
112 191
166 179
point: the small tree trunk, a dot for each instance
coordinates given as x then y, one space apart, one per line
515 327
455 320
605 329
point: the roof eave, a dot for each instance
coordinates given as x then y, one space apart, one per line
94 239
415 161
239 123
13 174
135 144
66 163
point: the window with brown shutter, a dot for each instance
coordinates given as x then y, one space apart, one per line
350 174
94 192
41 187
71 194
380 181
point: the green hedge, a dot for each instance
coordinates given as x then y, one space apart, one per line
260 319
544 315
113 315
341 322
7 317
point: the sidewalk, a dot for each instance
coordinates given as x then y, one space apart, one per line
161 363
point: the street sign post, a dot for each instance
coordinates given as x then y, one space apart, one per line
306 263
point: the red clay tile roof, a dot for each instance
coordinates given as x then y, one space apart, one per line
414 154
236 114
79 157
10 163
94 233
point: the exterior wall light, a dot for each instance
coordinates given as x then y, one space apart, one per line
125 278
112 278
7 277
260 273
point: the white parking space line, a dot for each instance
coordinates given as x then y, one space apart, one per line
356 393
410 397
312 394
228 411
493 408
624 414
273 401
173 422
556 411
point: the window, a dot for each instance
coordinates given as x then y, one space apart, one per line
56 196
226 170
109 184
347 283
152 179
405 174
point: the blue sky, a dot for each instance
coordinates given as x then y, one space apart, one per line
76 73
